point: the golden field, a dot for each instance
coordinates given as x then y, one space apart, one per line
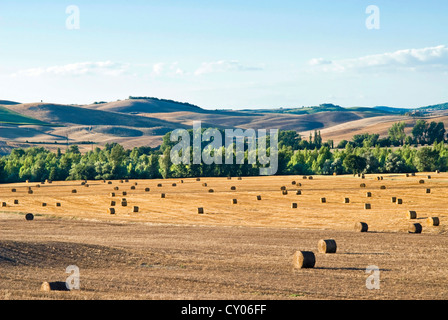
167 250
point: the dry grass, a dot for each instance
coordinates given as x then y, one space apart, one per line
167 250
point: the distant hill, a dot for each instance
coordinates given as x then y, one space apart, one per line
7 102
328 107
392 110
442 106
66 115
11 117
136 105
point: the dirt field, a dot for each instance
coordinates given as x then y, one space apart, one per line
232 251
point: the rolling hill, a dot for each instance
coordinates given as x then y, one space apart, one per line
142 121
145 105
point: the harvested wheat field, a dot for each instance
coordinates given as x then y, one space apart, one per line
169 249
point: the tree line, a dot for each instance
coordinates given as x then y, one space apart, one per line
365 153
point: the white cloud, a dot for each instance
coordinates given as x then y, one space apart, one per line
410 59
108 68
163 68
223 66
318 62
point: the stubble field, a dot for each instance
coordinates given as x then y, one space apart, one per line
167 250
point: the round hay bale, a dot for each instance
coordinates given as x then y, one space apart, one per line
233 188
304 177
381 178
109 182
394 199
181 181
282 188
437 171
113 203
429 177
58 204
135 209
346 200
369 194
112 194
74 191
198 179
415 228
421 182
407 175
30 191
323 200
126 180
293 205
229 178
335 173
361 227
159 185
378 178
124 203
298 184
310 178
16 201
174 185
285 192
121 181
13 190
411 215
44 204
111 211
413 174
211 190
163 196
258 197
29 217
86 185
298 192
383 187
200 210
362 185
83 183
428 190
27 181
367 206
304 260
293 183
399 201
327 246
136 183
204 184
433 221
239 178
3 204
132 187
234 201
124 193
147 189
37 185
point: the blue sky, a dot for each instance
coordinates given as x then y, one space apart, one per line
226 54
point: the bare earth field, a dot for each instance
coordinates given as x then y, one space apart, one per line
232 251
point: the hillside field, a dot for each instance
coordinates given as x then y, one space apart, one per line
168 250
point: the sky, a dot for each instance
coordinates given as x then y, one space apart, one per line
230 54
